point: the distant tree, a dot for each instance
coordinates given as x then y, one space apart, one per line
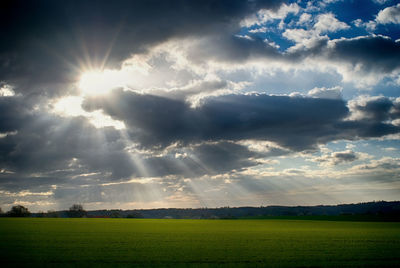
134 214
76 211
115 214
18 211
40 214
52 214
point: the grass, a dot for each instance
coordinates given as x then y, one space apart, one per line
360 217
45 242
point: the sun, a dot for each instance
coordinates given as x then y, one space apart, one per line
96 82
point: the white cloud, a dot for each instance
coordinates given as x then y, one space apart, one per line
6 91
328 23
265 15
311 37
305 38
385 164
6 134
331 1
358 22
369 25
304 19
272 43
326 93
283 11
380 1
259 30
389 15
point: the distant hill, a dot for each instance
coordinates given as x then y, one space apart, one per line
386 210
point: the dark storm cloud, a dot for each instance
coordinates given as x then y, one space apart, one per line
347 156
159 121
45 149
45 41
372 117
13 113
373 53
337 158
297 123
370 54
376 108
43 143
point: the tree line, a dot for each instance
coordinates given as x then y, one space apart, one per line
16 211
75 211
381 209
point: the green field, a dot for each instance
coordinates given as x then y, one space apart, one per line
45 242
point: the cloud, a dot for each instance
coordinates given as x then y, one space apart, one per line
303 38
324 23
158 121
202 159
297 123
345 156
188 129
50 43
259 30
362 60
326 93
231 49
48 60
265 15
369 26
328 23
389 15
305 19
6 91
13 113
380 1
38 149
44 144
383 169
376 108
374 53
367 54
336 158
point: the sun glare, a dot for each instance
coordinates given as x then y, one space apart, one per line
100 82
72 106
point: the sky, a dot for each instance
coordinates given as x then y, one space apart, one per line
173 103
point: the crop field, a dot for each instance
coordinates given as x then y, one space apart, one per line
41 242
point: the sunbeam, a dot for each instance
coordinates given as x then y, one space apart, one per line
98 82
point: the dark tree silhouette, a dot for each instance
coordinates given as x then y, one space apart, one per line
18 211
115 214
135 214
76 211
52 214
